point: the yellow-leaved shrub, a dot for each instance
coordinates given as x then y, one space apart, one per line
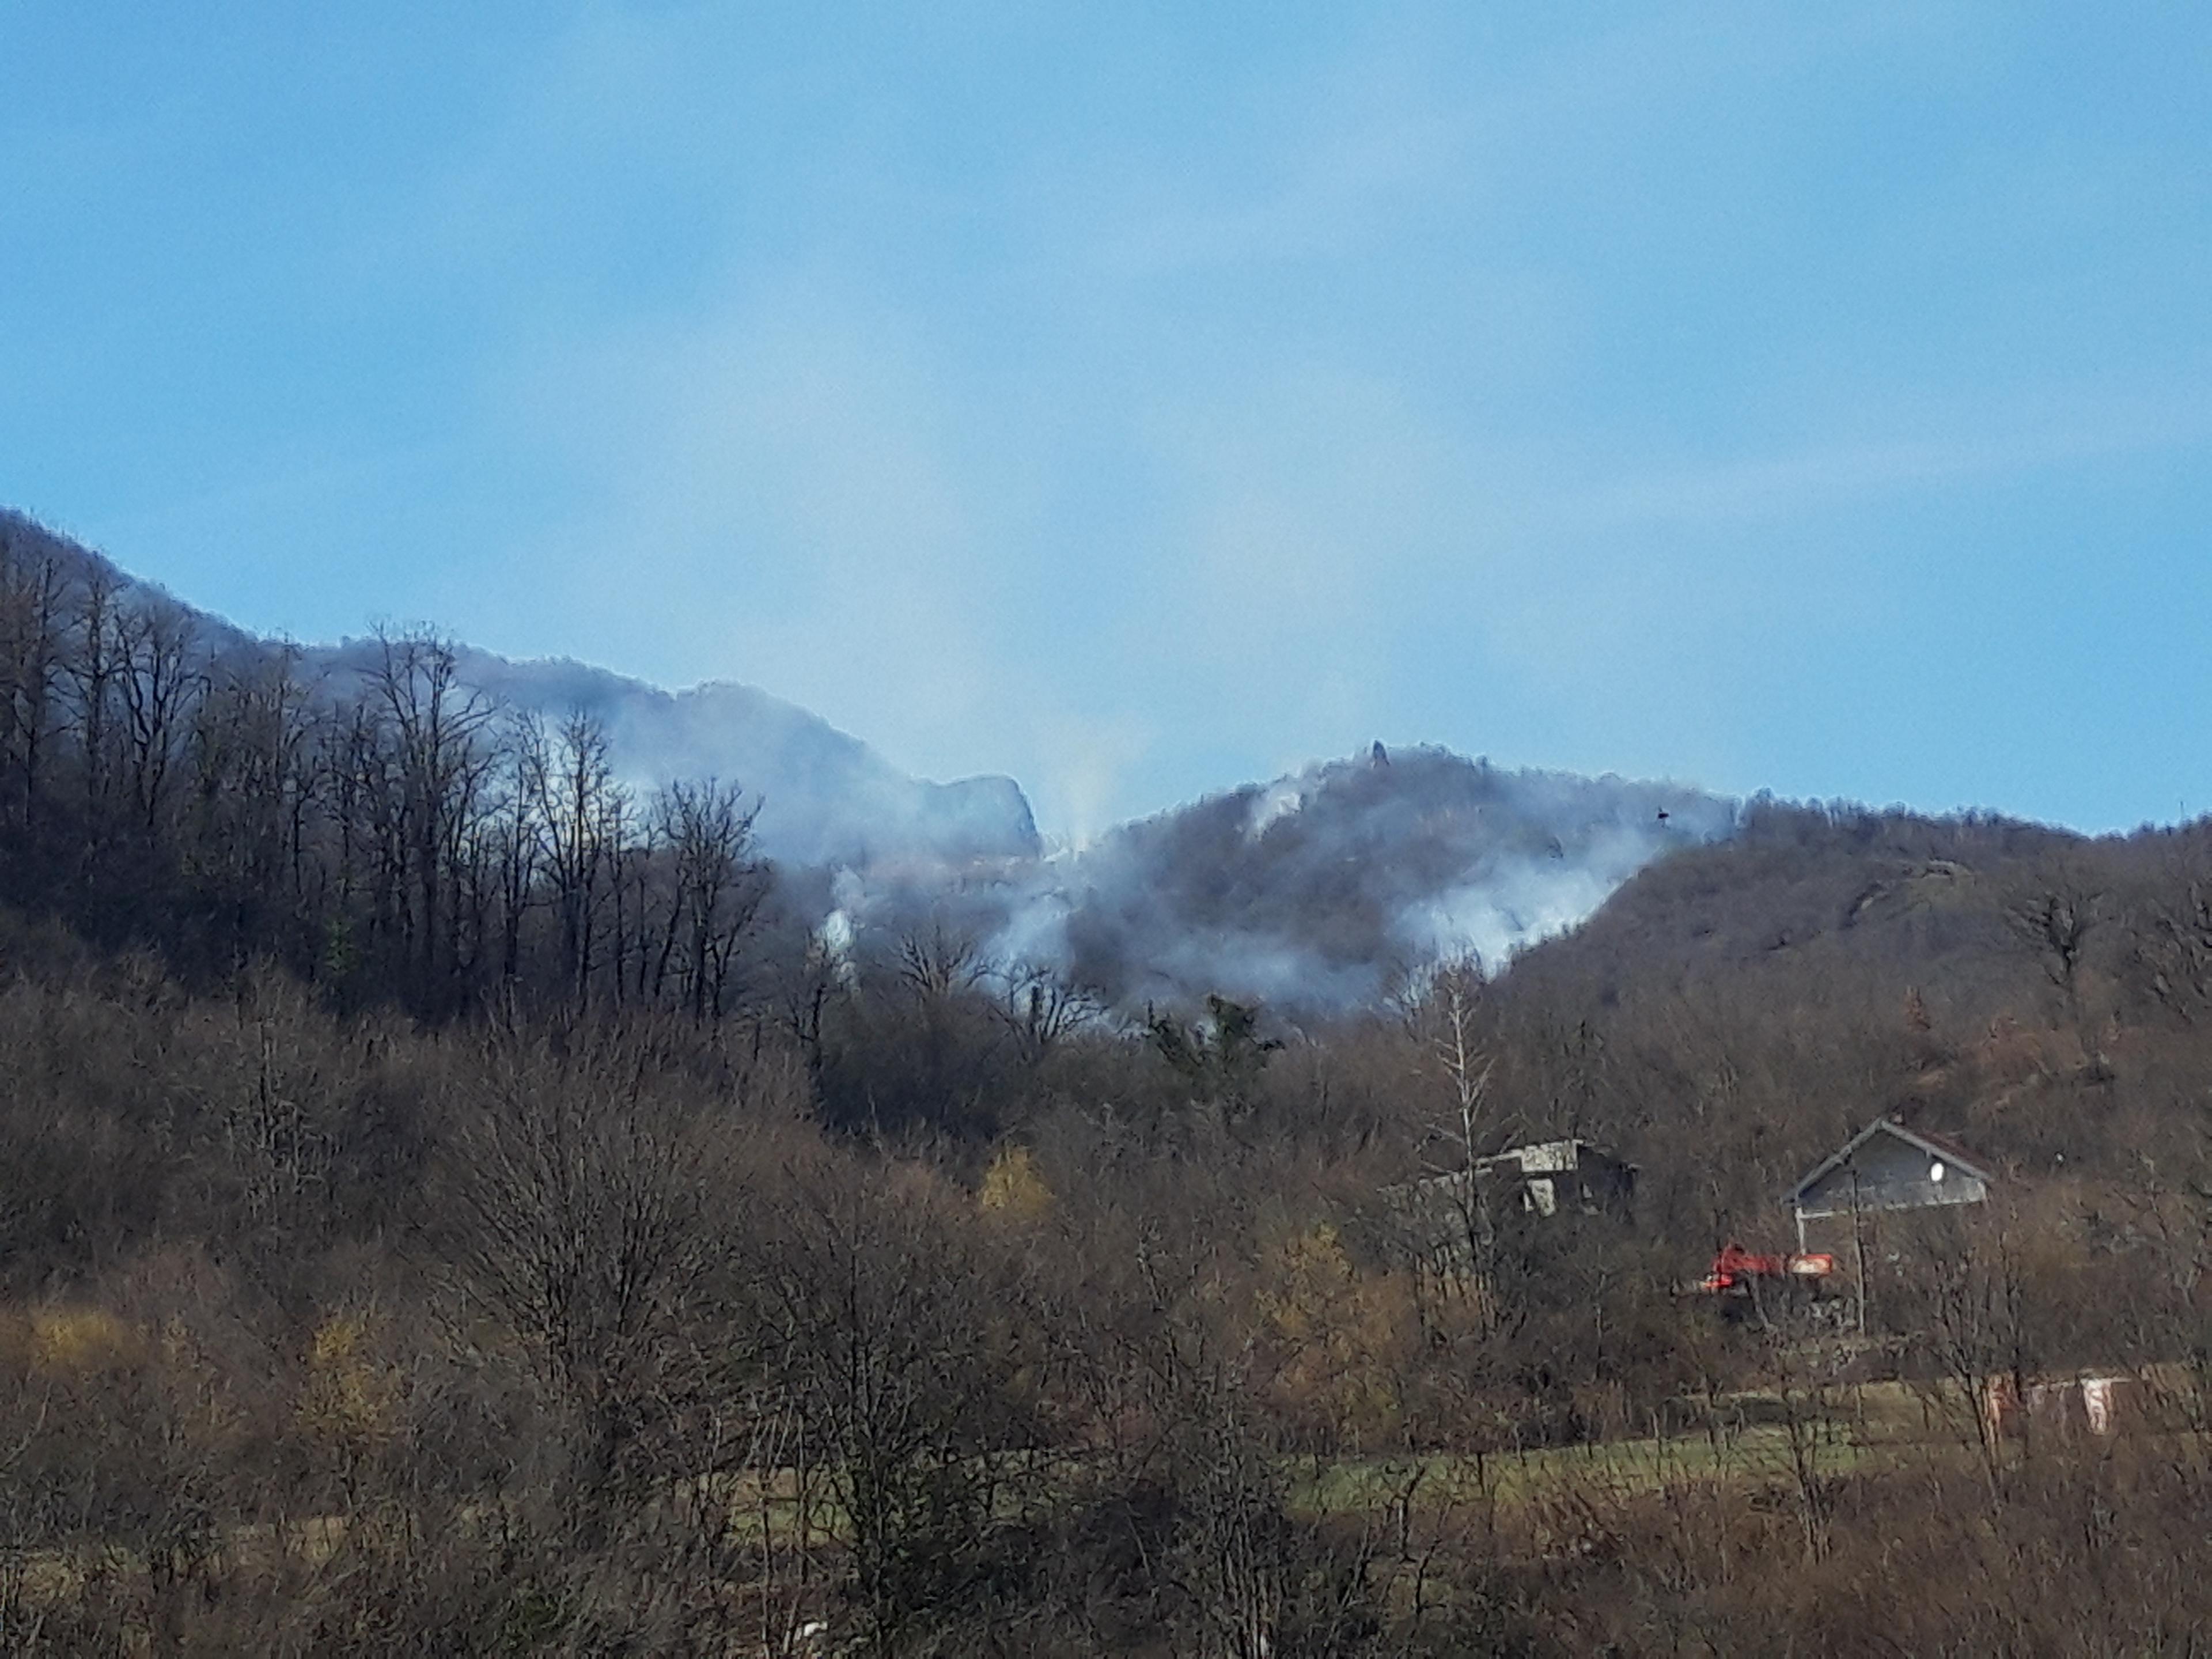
70 1339
1337 1332
351 1398
1013 1186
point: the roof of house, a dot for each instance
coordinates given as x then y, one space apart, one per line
1551 1156
1560 1156
1936 1145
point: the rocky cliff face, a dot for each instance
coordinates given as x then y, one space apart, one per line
826 797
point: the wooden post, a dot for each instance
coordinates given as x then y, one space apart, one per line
1858 1249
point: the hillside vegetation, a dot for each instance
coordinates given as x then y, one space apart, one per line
450 1204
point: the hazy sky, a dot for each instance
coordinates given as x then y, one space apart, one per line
1140 398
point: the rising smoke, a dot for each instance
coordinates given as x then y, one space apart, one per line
1325 889
1320 892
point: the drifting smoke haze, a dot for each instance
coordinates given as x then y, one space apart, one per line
1332 887
826 799
1325 889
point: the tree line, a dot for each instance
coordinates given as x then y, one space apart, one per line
380 827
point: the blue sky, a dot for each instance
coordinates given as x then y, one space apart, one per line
1142 399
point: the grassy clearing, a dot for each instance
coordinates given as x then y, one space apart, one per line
1755 1456
1872 1427
1869 1428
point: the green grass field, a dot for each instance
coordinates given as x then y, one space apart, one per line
1873 1426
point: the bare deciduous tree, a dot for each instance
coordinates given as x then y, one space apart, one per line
587 1214
716 888
570 779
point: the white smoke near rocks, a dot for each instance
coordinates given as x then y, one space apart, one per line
1329 889
1516 903
1322 890
839 929
1277 800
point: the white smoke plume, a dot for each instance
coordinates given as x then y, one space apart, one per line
1322 891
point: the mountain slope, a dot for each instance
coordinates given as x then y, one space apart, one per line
825 797
1322 890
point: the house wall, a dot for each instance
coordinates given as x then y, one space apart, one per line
1607 1185
1549 1156
1594 1184
1891 1174
1896 1244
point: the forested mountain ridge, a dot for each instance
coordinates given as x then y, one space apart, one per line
2039 994
1320 892
401 819
826 798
